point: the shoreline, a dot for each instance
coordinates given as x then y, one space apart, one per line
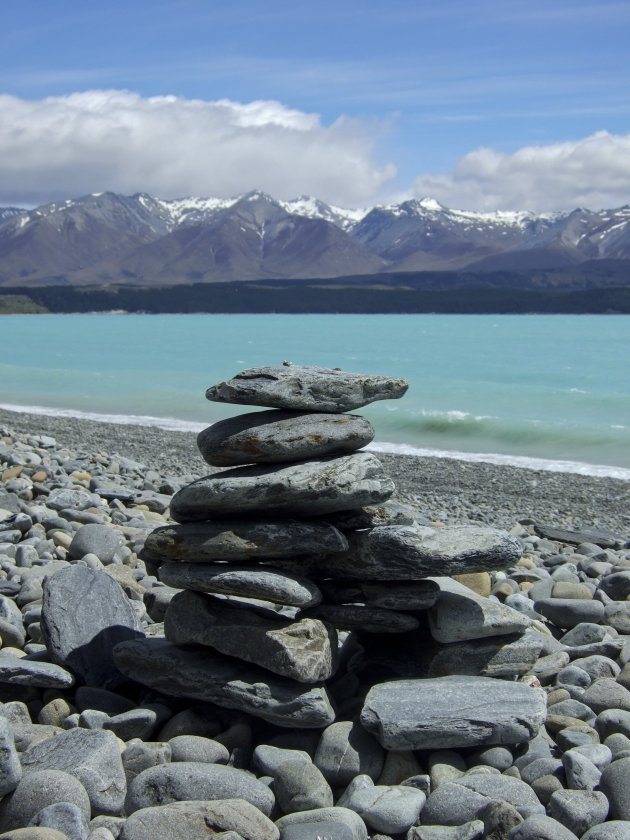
444 489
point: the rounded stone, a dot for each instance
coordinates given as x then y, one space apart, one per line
300 786
102 540
541 827
196 748
37 790
578 810
346 750
615 784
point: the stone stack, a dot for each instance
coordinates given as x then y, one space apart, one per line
293 552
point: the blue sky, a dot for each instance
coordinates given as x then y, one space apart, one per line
486 104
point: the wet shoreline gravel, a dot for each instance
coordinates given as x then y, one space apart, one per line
443 489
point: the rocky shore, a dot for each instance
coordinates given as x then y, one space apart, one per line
450 664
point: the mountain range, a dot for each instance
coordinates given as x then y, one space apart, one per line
140 240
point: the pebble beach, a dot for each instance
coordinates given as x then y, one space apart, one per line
88 754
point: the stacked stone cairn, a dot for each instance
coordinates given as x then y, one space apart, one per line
297 577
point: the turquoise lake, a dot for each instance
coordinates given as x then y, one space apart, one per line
504 388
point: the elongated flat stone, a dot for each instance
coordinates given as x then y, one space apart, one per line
16 670
409 552
387 594
301 388
244 581
241 539
308 488
268 437
301 650
505 657
361 617
200 674
452 712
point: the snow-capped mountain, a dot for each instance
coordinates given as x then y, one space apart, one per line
108 238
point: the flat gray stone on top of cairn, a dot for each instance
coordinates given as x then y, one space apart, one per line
264 583
268 437
201 674
302 650
242 539
452 712
308 488
84 614
302 388
408 552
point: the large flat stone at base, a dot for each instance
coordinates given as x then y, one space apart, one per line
452 712
302 388
304 650
308 488
241 539
271 437
203 675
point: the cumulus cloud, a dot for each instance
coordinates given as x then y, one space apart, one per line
65 146
593 172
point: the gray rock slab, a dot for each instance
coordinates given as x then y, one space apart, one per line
390 809
498 656
569 612
90 755
406 552
38 789
346 750
324 821
16 670
267 437
241 539
308 488
604 539
304 650
541 827
387 594
265 583
199 819
370 619
452 712
616 585
203 675
302 388
186 780
387 513
460 614
85 614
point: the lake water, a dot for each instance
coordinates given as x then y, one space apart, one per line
548 391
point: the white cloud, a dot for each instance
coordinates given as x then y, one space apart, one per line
65 146
593 172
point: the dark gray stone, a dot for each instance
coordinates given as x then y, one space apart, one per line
103 540
568 612
267 437
218 818
390 809
498 818
308 488
300 786
452 712
612 721
541 827
302 388
606 693
238 540
616 585
185 780
85 614
617 616
196 748
323 822
90 755
615 784
265 583
202 675
38 789
346 750
604 539
65 817
304 650
139 755
369 619
387 594
578 810
15 670
581 772
499 656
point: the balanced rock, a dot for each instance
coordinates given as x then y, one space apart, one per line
264 583
452 712
268 437
301 388
302 650
308 488
386 594
242 539
203 675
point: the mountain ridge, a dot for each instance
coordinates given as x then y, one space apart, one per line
107 238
